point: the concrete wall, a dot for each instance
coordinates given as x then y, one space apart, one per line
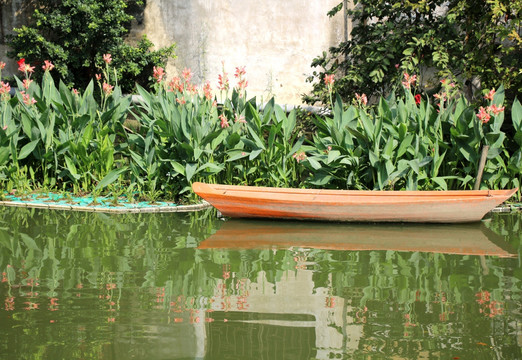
275 40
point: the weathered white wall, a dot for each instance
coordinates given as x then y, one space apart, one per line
275 40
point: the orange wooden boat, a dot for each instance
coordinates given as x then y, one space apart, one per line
352 205
461 239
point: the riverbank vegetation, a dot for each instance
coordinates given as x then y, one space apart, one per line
53 138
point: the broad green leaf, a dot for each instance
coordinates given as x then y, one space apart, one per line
190 170
177 167
314 163
111 177
441 182
516 115
27 149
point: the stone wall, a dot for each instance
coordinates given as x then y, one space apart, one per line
275 40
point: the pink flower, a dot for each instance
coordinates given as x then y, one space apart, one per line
175 84
27 98
483 115
362 99
181 101
2 65
418 99
300 156
329 79
107 89
75 92
186 74
26 83
224 121
223 83
207 90
158 73
5 88
98 77
440 97
240 72
495 109
240 119
48 65
107 58
490 95
409 81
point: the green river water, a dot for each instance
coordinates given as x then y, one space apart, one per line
192 286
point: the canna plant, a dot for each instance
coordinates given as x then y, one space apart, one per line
407 143
60 135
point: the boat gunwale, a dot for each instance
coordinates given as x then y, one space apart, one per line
221 190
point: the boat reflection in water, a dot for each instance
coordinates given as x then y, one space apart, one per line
461 239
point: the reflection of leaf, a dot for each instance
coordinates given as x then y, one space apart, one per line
29 242
11 274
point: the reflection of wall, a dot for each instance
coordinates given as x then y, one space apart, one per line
275 40
292 303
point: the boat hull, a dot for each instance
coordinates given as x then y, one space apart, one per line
352 205
462 239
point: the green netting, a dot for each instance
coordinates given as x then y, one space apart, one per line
99 202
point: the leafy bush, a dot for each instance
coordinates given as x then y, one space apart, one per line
406 143
473 43
73 34
52 137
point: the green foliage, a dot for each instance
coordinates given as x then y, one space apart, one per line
53 137
74 34
401 144
474 43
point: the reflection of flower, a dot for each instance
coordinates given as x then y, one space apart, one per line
488 307
9 304
31 305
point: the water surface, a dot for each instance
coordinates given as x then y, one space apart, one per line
192 286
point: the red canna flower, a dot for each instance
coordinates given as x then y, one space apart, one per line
495 109
48 65
418 99
207 90
483 115
107 58
23 67
490 95
409 81
107 88
329 79
224 121
186 74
